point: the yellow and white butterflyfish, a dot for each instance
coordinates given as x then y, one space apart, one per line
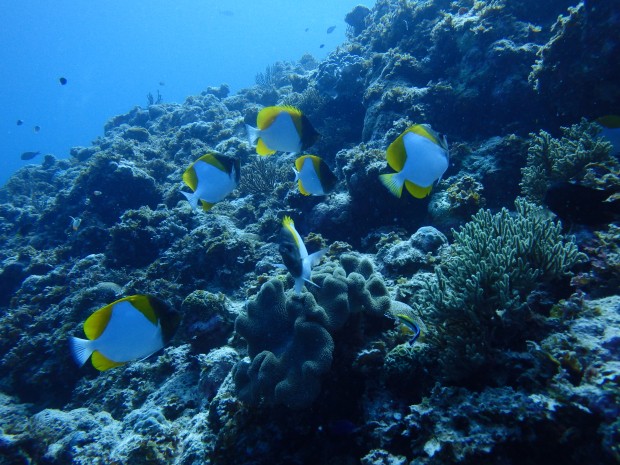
420 157
295 255
313 176
212 177
281 129
129 329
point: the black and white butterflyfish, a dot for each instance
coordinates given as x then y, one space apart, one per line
281 129
295 255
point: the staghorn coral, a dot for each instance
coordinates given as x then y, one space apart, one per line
290 337
480 292
568 158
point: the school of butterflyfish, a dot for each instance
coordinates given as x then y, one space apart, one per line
135 327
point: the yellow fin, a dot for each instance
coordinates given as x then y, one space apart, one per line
417 191
396 153
299 163
268 114
190 178
262 149
424 131
211 159
206 206
102 363
97 322
289 224
388 181
301 188
143 304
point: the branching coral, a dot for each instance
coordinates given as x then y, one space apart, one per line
261 176
479 296
550 160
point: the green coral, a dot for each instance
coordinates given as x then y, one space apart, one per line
551 160
478 299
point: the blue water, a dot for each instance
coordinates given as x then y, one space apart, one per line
114 52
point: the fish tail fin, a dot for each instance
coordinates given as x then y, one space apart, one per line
192 198
299 285
393 182
315 258
252 133
296 174
80 349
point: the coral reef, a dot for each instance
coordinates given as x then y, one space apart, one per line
516 360
567 159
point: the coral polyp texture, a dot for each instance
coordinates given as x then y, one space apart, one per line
470 326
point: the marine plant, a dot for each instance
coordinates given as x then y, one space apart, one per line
479 300
261 176
568 158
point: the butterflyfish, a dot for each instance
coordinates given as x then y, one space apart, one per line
211 178
281 129
295 256
420 157
129 329
313 176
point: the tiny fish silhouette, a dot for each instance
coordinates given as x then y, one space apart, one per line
330 29
29 155
63 81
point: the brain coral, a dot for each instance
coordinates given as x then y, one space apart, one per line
290 337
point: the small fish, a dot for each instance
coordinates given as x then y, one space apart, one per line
574 203
29 155
307 29
131 328
20 122
322 45
330 29
212 177
283 129
610 125
313 176
162 83
63 81
295 256
75 223
411 325
420 157
36 129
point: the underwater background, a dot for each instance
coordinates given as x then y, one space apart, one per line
510 268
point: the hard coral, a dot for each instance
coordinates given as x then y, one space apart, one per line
290 337
479 296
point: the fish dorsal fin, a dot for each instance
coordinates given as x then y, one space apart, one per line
288 223
268 114
144 306
212 159
316 162
262 149
98 321
297 117
417 191
191 179
102 363
424 131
